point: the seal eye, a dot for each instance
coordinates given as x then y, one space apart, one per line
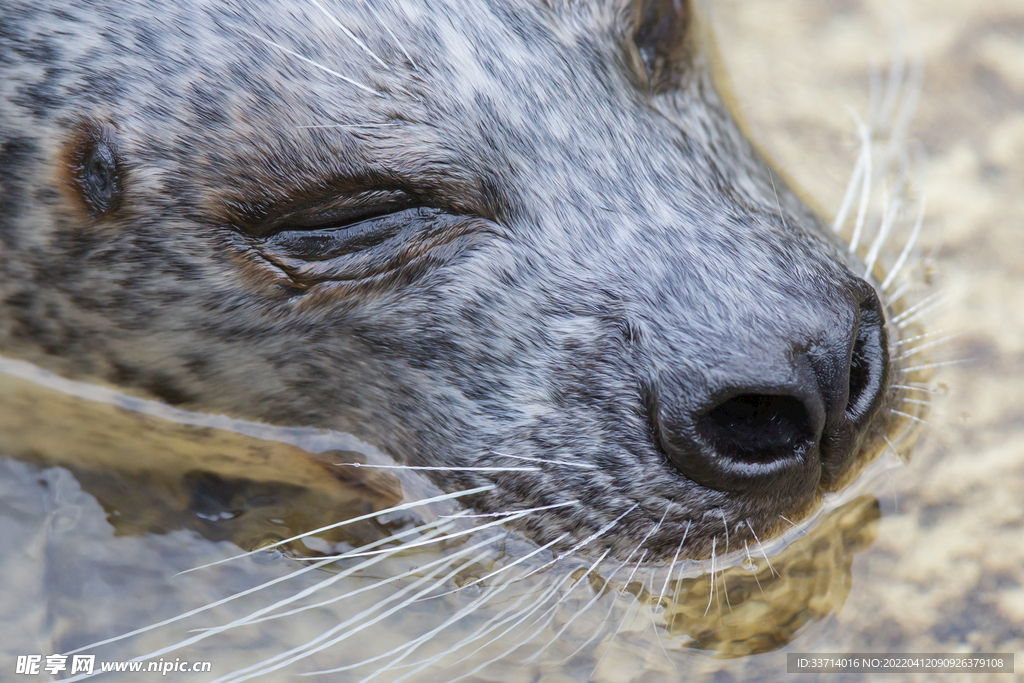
95 169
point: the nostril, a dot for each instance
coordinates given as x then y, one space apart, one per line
758 428
869 362
760 443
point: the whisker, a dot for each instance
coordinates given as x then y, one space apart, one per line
753 564
580 465
312 63
438 468
522 559
522 617
892 210
725 523
514 512
391 33
760 546
862 209
923 303
671 567
794 525
573 618
336 525
657 634
238 622
597 534
456 534
918 401
905 387
493 624
325 640
413 645
917 337
917 419
352 36
911 241
611 607
902 290
929 366
714 539
940 301
356 591
851 189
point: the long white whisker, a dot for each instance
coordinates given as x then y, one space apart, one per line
413 645
917 337
911 241
905 387
918 349
244 620
484 629
856 178
714 540
571 619
391 33
888 219
440 539
568 463
862 209
929 366
520 618
522 559
312 63
902 290
438 468
917 419
754 564
371 515
917 401
515 512
597 534
611 607
654 627
760 546
923 304
352 36
671 567
349 594
326 639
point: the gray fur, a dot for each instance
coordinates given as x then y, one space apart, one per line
608 238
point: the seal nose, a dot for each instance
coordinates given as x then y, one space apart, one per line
783 423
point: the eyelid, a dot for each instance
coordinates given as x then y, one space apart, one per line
334 213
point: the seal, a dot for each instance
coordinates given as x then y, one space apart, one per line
520 243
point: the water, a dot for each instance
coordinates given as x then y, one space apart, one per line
109 500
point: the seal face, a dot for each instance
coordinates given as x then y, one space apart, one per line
474 234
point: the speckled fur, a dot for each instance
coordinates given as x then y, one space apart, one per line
613 240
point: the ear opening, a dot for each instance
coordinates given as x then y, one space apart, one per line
662 37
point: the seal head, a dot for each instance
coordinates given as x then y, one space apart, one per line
502 233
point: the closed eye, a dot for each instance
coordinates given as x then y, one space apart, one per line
339 238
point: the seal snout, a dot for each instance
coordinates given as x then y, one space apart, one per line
784 419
